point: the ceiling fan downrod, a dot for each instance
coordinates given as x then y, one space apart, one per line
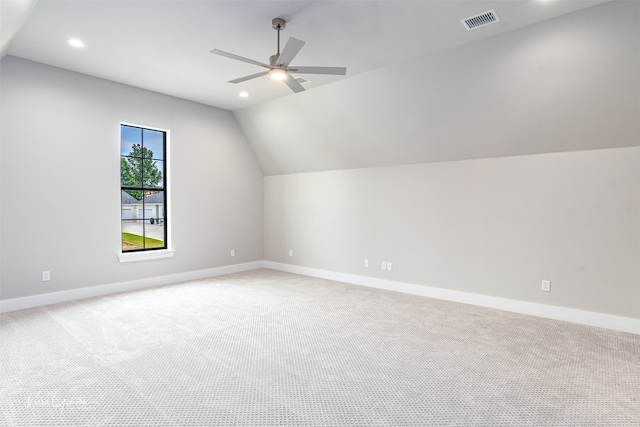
277 24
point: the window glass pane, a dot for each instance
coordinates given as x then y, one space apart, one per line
153 177
129 201
155 235
154 218
130 172
132 233
154 206
153 141
129 136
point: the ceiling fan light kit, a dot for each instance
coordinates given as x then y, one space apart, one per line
278 74
279 64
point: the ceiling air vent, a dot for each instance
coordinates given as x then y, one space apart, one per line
302 80
480 20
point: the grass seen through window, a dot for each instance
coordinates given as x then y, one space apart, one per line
134 241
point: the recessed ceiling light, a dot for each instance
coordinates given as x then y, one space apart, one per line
243 94
75 43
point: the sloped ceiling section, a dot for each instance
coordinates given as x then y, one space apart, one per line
570 83
163 46
13 15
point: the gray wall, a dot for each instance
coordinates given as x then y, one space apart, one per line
521 204
526 163
490 226
60 198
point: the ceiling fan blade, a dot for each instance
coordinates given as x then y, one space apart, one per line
239 58
290 50
338 71
293 84
252 76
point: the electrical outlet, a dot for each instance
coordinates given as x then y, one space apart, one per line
233 253
384 265
546 285
46 276
389 265
290 252
366 263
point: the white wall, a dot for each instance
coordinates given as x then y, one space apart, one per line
491 226
60 149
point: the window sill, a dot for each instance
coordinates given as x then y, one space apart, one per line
143 256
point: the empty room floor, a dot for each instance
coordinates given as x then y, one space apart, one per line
267 348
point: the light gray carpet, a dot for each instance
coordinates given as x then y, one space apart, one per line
266 348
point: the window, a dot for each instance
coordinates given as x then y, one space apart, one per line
143 188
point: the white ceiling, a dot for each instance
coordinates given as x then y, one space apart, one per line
164 46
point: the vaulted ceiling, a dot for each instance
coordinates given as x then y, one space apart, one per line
164 46
550 76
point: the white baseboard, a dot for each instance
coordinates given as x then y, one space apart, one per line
623 324
607 321
95 291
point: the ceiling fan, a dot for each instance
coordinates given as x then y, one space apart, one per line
279 67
